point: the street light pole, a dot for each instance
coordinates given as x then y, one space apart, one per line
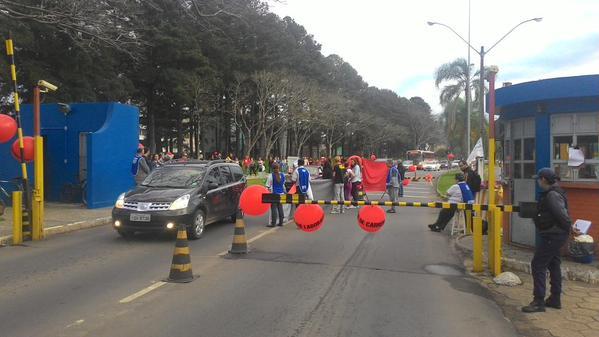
468 91
481 94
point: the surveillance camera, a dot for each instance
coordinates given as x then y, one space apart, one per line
65 108
47 85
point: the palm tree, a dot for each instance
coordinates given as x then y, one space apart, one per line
454 75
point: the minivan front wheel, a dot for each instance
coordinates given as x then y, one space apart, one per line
198 224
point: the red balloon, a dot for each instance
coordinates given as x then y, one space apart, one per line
406 182
251 200
8 128
28 144
450 156
371 218
309 218
412 168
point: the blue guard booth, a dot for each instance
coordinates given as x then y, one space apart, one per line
85 144
540 121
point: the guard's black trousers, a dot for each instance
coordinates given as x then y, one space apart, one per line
547 257
444 216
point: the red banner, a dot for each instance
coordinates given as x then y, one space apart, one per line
374 175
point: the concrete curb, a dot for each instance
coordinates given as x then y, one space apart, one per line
586 275
60 229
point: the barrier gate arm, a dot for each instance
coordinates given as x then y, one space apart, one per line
297 199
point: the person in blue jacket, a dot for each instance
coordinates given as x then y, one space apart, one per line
275 182
301 177
458 193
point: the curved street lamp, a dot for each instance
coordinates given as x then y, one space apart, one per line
482 54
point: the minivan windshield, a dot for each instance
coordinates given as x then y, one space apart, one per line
175 177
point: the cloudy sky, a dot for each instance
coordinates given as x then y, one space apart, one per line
391 46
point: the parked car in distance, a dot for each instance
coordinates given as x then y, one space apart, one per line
431 166
444 165
455 164
191 193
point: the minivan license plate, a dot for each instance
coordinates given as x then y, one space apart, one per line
140 217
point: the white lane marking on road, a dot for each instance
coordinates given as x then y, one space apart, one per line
54 227
142 292
77 322
270 231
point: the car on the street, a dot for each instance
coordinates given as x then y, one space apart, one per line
407 163
187 193
431 166
444 165
455 164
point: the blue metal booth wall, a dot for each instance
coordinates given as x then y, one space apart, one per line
107 133
541 99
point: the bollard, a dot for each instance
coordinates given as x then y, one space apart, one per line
477 245
497 226
37 224
17 217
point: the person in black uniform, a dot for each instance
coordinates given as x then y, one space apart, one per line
554 226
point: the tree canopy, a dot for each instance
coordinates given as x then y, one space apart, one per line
226 75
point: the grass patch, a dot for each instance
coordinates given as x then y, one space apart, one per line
256 181
445 181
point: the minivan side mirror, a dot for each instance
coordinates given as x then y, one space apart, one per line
212 185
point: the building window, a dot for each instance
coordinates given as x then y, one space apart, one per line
575 130
520 149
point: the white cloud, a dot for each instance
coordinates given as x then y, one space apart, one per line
391 46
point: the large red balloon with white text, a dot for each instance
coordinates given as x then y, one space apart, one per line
309 218
371 218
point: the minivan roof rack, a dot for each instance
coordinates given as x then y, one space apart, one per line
196 161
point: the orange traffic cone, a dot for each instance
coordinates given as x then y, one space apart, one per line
181 265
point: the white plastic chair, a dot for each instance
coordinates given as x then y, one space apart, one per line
457 225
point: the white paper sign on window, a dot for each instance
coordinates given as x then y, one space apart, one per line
575 157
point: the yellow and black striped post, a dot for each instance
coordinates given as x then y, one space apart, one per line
181 266
240 244
10 52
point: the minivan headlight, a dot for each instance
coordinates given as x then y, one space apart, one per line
180 203
120 202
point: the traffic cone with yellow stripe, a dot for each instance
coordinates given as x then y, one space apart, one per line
181 266
240 244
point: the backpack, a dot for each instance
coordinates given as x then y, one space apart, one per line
135 165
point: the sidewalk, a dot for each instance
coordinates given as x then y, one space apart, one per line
579 316
515 258
59 218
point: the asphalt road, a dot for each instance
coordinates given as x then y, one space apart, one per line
340 281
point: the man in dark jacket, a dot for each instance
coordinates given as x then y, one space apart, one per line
472 177
554 226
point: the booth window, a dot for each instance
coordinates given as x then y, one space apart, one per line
576 130
522 153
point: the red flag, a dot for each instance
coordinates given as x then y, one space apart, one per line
374 175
